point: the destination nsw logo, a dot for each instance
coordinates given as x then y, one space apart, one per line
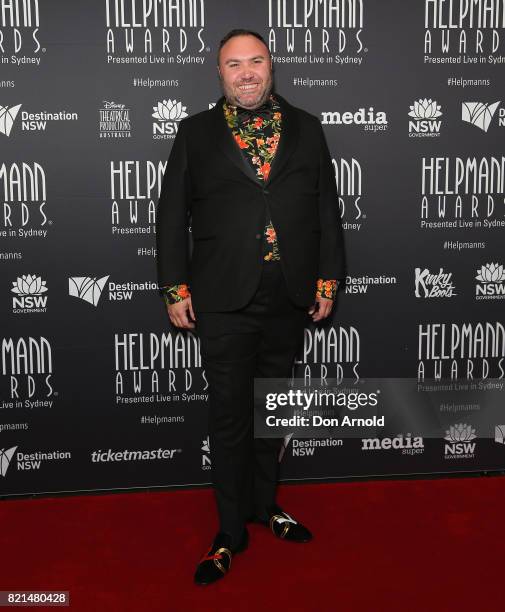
90 288
28 462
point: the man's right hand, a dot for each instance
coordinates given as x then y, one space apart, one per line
178 313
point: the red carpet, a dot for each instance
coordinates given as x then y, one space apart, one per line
383 545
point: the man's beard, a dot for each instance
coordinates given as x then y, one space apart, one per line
235 101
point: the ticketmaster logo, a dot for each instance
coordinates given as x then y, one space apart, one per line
5 459
7 118
110 456
86 288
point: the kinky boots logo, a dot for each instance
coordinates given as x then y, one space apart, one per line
155 32
152 367
323 32
461 351
135 188
329 353
462 193
437 285
27 371
464 32
23 193
19 32
349 181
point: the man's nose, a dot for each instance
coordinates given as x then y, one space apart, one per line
248 74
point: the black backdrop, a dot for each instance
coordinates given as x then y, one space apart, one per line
97 390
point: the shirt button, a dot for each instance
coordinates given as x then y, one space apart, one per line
258 236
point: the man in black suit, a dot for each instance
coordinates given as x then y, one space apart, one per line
254 176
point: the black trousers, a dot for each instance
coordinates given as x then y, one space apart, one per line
259 340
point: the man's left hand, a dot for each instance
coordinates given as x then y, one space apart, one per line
321 311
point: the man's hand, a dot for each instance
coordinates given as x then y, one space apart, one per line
321 309
178 313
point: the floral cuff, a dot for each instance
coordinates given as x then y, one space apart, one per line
326 288
175 293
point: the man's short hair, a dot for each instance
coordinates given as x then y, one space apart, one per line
240 32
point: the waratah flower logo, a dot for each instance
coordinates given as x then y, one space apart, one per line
425 109
169 110
491 273
460 433
29 284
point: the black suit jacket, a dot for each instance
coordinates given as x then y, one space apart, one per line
209 185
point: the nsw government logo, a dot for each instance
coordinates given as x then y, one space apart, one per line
29 293
168 113
460 442
492 282
206 460
425 122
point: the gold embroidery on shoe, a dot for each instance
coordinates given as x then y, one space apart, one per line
218 563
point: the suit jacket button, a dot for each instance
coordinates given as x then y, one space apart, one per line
265 191
258 236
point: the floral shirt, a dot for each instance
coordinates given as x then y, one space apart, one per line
258 138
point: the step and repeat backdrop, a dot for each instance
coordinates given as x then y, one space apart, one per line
98 390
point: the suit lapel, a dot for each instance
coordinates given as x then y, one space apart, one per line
287 142
227 144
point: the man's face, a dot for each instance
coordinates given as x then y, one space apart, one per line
246 71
